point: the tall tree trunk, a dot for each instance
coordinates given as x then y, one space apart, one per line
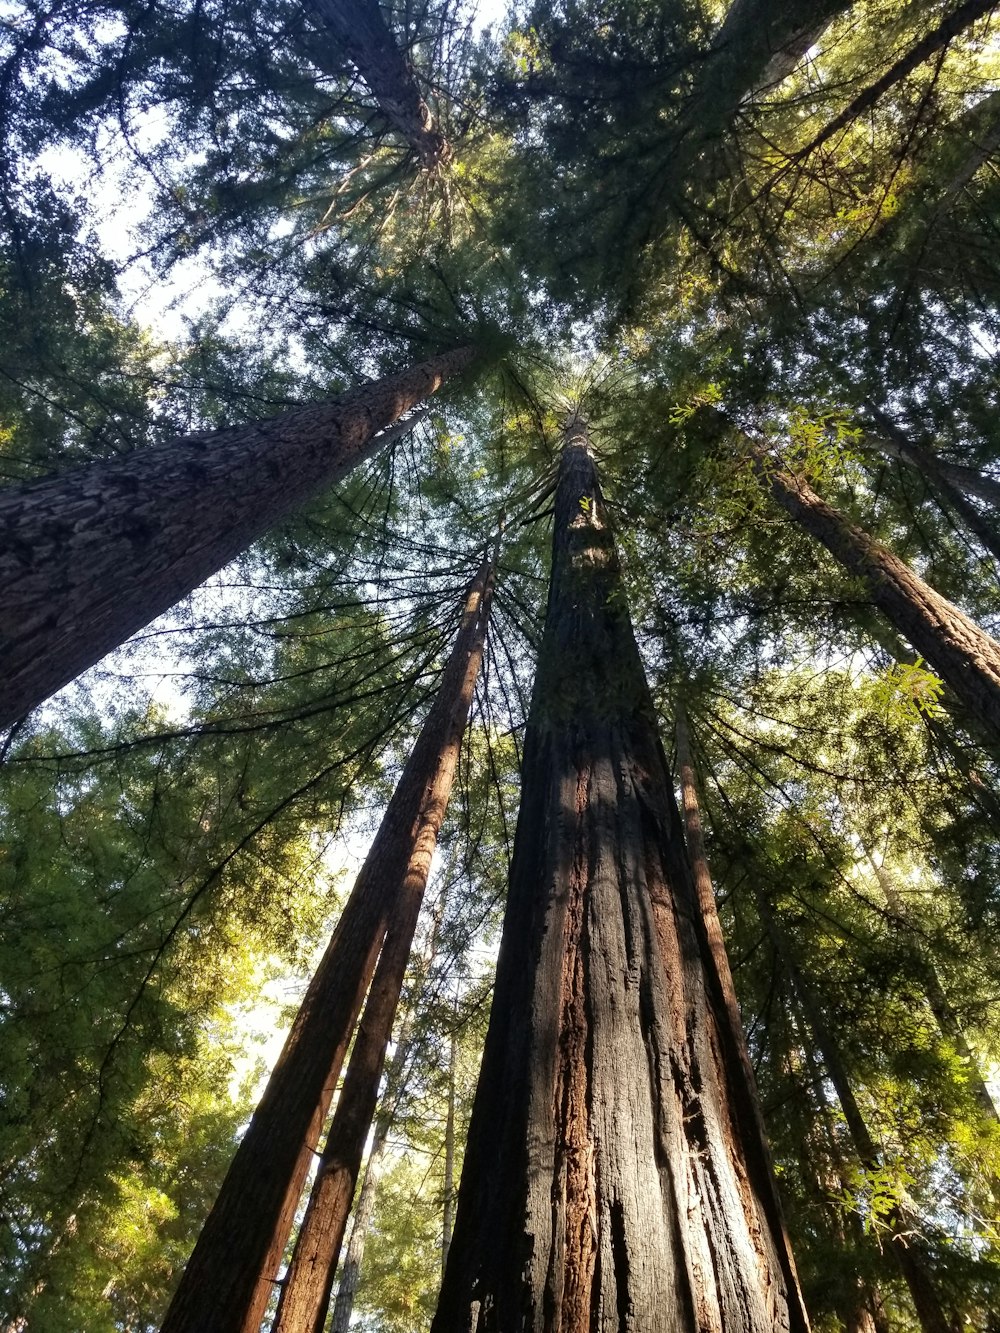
228 1281
448 1208
89 556
754 35
749 1102
360 28
966 657
858 1302
305 1293
904 1248
949 477
607 1180
361 1222
364 1211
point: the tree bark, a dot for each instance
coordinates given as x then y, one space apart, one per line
904 1249
754 35
305 1293
354 1256
967 659
360 28
448 1208
950 477
90 556
227 1283
607 1183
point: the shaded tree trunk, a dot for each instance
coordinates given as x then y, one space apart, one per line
305 1293
227 1283
360 29
966 657
757 38
607 1180
952 482
946 31
904 1247
448 1209
90 556
354 1256
952 476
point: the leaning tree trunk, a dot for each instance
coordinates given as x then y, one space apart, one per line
952 643
90 556
746 54
305 1293
904 1248
608 1180
360 29
948 476
228 1281
361 1221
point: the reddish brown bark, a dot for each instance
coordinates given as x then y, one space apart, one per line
90 556
229 1278
305 1295
965 656
607 1179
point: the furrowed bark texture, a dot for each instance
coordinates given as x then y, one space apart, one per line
361 30
606 1184
90 556
967 659
228 1281
305 1294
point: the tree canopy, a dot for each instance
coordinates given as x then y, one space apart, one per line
756 246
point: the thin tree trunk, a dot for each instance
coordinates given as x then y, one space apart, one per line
363 1212
749 1102
905 1250
950 477
946 31
966 657
607 1180
227 1283
362 1220
89 556
360 28
305 1293
448 1210
860 1306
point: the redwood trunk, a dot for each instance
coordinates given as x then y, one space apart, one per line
305 1295
607 1180
227 1283
966 657
90 556
360 28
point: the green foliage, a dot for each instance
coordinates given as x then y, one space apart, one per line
643 218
